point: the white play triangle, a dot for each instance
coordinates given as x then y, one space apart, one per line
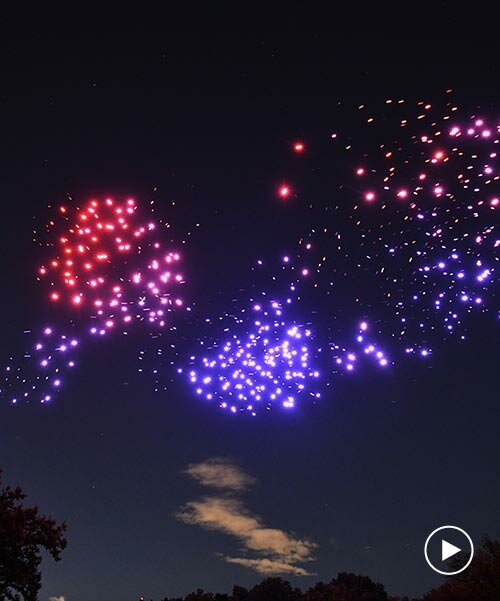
448 550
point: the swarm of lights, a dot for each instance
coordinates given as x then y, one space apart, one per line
400 245
395 253
412 225
346 360
269 363
40 372
109 264
107 270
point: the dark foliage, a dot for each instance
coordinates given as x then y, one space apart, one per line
346 587
480 582
23 534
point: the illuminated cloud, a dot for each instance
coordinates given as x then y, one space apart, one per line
269 566
278 552
218 472
231 517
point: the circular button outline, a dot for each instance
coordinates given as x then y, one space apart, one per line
449 528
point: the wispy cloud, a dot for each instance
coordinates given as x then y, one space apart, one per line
269 566
278 551
230 516
218 472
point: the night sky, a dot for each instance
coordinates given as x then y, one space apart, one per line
196 106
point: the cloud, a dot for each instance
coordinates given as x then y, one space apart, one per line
56 598
279 550
218 472
269 566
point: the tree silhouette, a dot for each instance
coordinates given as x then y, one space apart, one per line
479 582
201 595
274 589
347 587
240 593
23 533
319 592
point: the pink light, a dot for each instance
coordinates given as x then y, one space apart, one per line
299 147
438 156
284 191
369 196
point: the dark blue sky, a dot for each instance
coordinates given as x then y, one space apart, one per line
366 475
198 105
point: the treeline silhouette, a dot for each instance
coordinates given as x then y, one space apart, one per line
479 582
25 534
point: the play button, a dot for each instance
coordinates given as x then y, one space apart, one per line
449 550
